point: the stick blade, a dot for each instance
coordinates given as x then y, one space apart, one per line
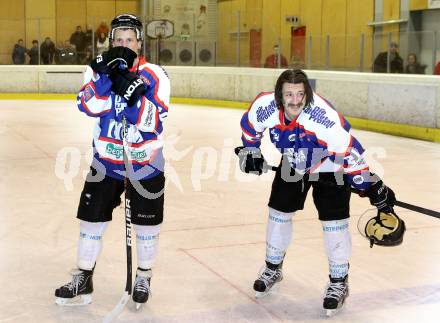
118 308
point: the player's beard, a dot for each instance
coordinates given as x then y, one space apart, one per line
293 110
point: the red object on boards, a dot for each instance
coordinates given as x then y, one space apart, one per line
255 48
298 44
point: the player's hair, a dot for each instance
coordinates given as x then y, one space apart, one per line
293 76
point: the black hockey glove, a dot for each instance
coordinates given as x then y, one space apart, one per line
381 196
251 160
115 58
128 85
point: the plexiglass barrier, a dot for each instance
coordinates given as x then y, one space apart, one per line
234 40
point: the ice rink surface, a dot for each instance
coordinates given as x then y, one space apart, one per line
212 242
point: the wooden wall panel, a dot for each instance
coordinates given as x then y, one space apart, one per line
288 8
12 9
391 11
100 10
12 30
271 16
70 13
226 42
254 14
254 21
418 4
334 25
40 19
126 6
12 24
359 14
311 17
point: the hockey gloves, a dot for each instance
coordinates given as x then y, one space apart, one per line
381 196
116 58
251 160
128 85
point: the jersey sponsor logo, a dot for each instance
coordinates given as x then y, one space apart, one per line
318 115
114 150
355 159
138 155
275 135
145 80
149 119
263 113
88 93
358 179
114 130
119 104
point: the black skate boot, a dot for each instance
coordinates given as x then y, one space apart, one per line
335 295
78 291
141 289
267 279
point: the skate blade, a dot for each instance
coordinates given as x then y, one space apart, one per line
75 301
332 312
261 294
274 288
138 306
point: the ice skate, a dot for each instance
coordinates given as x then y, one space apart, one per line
78 291
141 289
266 281
335 294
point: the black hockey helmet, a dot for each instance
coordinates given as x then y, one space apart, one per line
127 21
385 229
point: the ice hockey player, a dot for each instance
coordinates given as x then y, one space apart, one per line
120 83
318 151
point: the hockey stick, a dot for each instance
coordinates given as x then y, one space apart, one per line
127 293
404 205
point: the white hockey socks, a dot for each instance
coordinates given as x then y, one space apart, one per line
147 244
278 235
89 243
337 240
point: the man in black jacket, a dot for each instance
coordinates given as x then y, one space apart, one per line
396 62
47 51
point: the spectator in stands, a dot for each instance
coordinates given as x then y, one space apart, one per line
78 39
33 53
396 62
47 51
67 54
89 38
437 69
87 57
102 43
102 28
18 54
272 60
414 67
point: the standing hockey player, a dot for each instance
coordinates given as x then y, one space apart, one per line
320 152
121 84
